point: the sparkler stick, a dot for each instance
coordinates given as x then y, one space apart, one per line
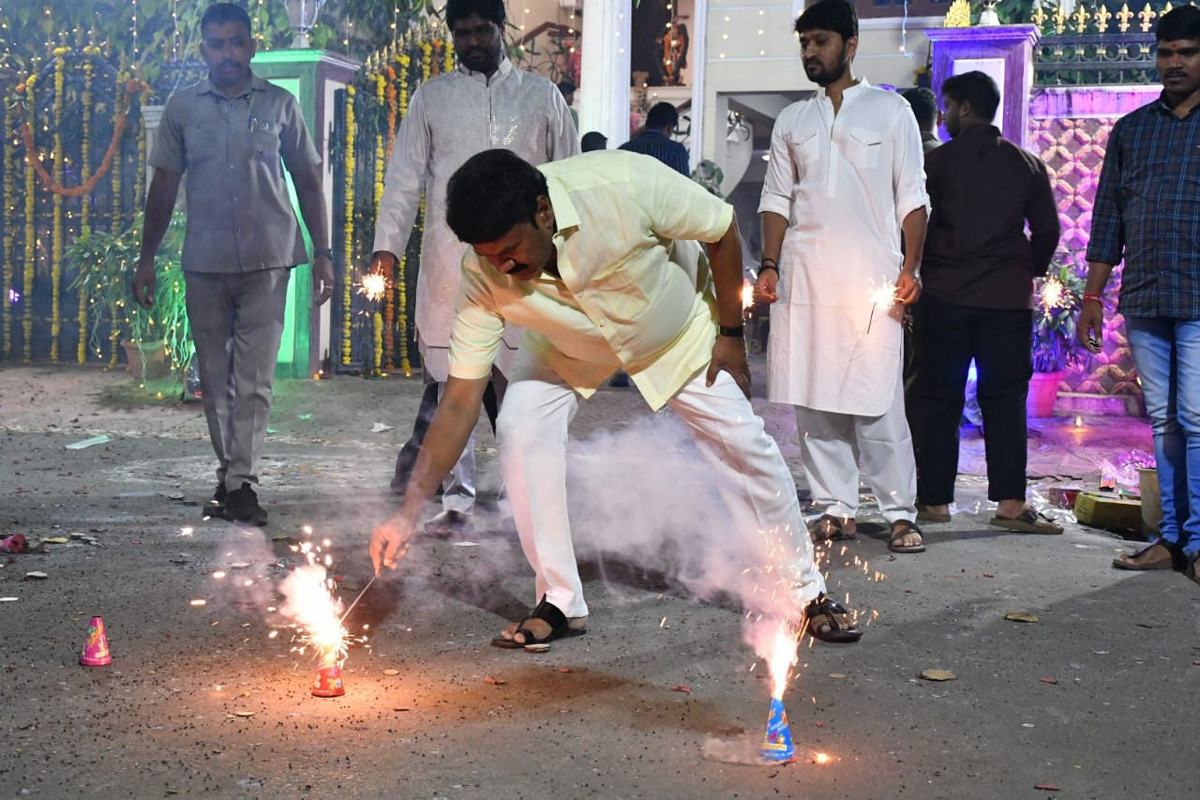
360 596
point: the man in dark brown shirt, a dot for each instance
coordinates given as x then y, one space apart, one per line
978 272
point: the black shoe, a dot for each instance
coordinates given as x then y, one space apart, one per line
450 523
242 506
216 506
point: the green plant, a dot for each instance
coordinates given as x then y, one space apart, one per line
1057 299
104 264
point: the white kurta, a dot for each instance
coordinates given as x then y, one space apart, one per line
845 185
451 118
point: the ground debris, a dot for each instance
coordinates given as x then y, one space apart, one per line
1021 616
938 675
494 681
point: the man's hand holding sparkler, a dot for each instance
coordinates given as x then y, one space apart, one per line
766 288
448 434
908 288
389 541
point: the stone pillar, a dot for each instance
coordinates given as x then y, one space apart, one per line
151 117
1004 52
604 78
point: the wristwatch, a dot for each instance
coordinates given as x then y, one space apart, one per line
735 331
324 251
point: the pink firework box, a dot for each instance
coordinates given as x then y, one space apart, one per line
95 648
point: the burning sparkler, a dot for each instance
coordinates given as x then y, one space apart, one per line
1053 294
373 286
884 295
747 297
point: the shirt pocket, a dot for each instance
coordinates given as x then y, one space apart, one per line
863 147
806 149
200 145
264 146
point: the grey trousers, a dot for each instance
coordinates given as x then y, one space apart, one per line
237 322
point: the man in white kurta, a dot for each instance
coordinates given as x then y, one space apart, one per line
484 103
845 175
583 262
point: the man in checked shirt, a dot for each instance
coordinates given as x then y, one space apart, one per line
1145 212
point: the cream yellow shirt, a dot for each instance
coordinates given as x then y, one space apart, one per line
630 296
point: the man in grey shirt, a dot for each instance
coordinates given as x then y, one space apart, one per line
233 134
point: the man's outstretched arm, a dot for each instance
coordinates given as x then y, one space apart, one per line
457 413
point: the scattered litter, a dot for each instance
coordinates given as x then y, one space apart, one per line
494 681
14 544
564 670
175 496
243 713
1046 787
55 540
380 427
684 689
401 708
101 439
1051 681
240 565
663 623
391 672
1021 616
988 575
537 647
466 544
36 576
305 416
938 675
836 675
9 599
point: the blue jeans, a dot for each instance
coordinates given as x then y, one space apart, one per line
1167 354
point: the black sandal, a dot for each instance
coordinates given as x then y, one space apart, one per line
560 627
900 529
829 621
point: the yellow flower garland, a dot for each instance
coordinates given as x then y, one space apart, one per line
380 171
56 241
9 237
85 210
449 55
426 60
116 171
30 251
348 245
377 319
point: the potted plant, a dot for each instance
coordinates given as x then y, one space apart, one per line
1057 299
155 340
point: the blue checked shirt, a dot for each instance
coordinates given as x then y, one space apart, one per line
1146 212
655 145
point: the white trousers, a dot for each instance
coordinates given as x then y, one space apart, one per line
748 469
831 446
237 323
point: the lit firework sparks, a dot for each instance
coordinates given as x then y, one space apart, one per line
747 296
315 609
883 295
782 659
1053 294
373 286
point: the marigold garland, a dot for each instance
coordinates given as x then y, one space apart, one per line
9 235
377 321
56 240
348 245
121 121
85 209
30 251
116 183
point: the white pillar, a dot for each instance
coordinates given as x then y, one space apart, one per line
699 57
151 118
604 79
